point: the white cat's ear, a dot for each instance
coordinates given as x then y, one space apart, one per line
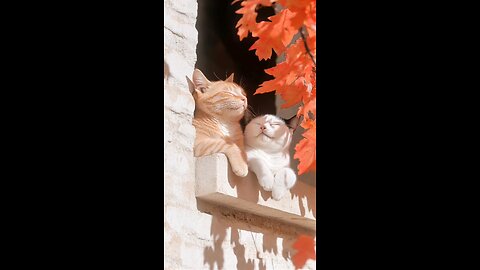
293 122
200 82
230 78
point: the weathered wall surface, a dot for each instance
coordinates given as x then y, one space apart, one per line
196 240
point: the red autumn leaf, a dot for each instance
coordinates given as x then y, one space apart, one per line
295 4
248 20
294 79
276 34
305 247
280 72
293 93
300 8
306 151
309 106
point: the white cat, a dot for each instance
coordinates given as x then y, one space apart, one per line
267 143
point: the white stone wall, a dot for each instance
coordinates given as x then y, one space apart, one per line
196 240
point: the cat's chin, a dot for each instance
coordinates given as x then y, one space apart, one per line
265 136
230 117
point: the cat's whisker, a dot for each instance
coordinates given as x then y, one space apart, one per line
251 110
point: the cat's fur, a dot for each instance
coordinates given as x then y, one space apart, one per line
219 107
267 143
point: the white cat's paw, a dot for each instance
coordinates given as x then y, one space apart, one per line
290 178
278 192
241 171
266 182
286 177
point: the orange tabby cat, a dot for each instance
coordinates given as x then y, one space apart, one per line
219 106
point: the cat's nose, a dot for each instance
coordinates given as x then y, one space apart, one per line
262 127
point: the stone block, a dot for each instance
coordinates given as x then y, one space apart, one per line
216 184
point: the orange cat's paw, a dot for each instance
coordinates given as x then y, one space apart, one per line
241 171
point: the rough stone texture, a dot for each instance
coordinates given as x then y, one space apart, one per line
194 239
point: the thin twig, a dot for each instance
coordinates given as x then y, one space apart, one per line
306 46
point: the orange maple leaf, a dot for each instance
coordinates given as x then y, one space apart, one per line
305 250
309 106
304 10
292 4
292 94
248 20
305 150
294 79
276 34
280 73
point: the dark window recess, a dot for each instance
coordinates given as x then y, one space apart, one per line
220 52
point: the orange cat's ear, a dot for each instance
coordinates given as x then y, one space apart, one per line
191 86
200 81
230 79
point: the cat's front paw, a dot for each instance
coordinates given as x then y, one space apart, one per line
241 170
278 191
287 177
266 182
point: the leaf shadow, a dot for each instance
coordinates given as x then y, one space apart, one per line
237 235
214 255
239 251
305 193
247 187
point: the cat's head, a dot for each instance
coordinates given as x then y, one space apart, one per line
222 99
270 133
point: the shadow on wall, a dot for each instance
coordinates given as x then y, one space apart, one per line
214 255
302 195
238 234
249 191
166 70
308 178
242 234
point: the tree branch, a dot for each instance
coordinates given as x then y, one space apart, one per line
306 46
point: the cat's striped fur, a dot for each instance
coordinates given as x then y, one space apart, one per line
219 107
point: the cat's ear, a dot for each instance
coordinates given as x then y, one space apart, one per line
230 78
293 122
200 82
191 86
